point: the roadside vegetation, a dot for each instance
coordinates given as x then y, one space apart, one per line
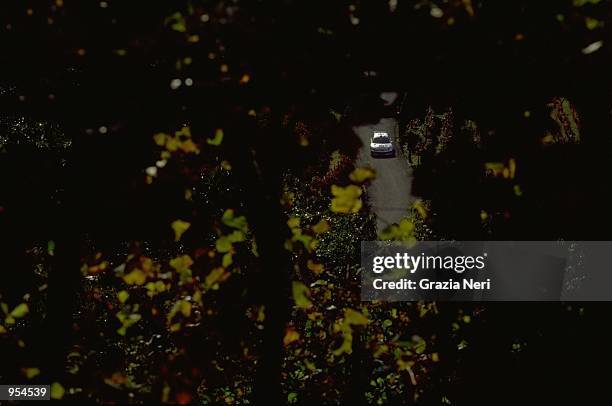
181 212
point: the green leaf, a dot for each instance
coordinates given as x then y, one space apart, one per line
123 296
31 372
419 344
353 317
227 259
177 22
300 295
179 227
236 236
217 139
20 311
580 3
239 223
223 244
57 391
51 247
215 276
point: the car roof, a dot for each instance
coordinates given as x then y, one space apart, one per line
380 134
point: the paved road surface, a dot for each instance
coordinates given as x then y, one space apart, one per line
390 193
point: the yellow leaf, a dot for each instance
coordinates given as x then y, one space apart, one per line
136 277
97 268
303 141
290 336
197 296
165 393
361 175
153 288
237 222
382 349
20 311
404 231
172 144
189 146
227 259
346 199
517 190
181 263
185 131
261 314
293 222
236 236
215 276
420 208
310 365
512 168
300 295
496 168
160 139
321 227
123 296
179 227
31 372
57 391
346 346
406 226
146 264
548 139
180 306
127 320
223 244
353 317
185 308
404 365
315 267
245 79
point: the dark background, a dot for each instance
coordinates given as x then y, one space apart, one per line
477 65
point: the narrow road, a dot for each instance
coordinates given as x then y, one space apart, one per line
390 193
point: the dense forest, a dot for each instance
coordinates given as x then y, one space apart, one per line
181 205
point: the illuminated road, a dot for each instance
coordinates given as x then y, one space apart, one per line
390 193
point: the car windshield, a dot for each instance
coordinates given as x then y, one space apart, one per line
381 139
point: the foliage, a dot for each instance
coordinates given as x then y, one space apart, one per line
181 212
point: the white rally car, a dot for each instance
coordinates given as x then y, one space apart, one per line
381 145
